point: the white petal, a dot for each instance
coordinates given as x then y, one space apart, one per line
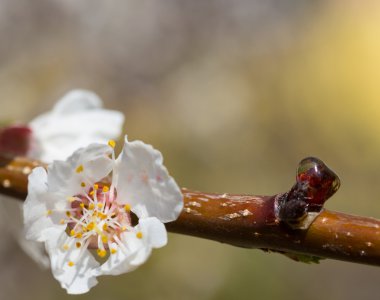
63 176
153 231
144 182
134 251
76 121
76 279
153 236
38 222
36 250
119 262
11 213
76 101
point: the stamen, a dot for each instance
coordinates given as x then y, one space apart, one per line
70 264
139 235
65 247
112 143
79 169
113 250
82 184
127 207
90 226
104 238
78 244
49 212
101 253
105 189
78 235
96 186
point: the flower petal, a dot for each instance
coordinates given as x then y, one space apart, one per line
76 101
95 164
38 208
154 232
144 183
11 213
76 121
77 278
133 250
153 236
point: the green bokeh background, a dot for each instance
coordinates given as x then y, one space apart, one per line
234 94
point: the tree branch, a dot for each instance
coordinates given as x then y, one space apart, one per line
251 221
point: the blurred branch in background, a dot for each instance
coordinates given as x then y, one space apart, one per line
249 221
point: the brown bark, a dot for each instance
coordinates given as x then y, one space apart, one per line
247 221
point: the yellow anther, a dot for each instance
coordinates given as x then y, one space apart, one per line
70 263
62 221
113 251
92 193
105 227
101 253
96 186
49 212
82 184
78 245
68 214
90 226
81 205
78 235
79 169
139 235
127 207
72 232
112 143
91 206
65 247
105 189
124 228
102 216
104 239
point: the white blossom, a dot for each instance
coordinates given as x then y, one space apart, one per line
94 201
76 121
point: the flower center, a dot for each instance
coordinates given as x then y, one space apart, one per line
96 220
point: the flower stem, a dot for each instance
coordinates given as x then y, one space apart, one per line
248 221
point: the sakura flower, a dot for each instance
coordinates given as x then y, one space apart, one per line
76 121
94 201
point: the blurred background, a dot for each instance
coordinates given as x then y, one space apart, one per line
234 93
